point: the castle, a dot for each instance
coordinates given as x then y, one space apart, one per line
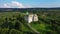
30 17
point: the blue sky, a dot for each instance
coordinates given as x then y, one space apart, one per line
29 3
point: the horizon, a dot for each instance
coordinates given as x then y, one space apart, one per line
29 3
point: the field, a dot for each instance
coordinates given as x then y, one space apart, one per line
14 23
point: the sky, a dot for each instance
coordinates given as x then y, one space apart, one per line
29 3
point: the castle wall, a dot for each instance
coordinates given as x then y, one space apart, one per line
31 17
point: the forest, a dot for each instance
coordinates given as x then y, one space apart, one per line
14 23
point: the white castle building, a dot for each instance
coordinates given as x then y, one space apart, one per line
31 17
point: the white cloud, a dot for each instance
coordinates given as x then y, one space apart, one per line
13 4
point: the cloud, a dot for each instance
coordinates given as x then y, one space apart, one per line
13 4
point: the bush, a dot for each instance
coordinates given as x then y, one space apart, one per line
4 31
13 31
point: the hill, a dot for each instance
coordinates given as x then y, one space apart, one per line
29 9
